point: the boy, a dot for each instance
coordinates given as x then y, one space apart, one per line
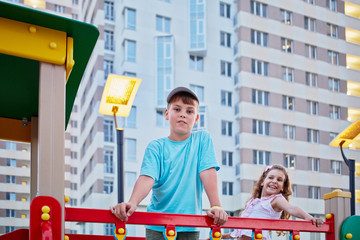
177 168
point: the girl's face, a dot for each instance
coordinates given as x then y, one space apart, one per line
273 183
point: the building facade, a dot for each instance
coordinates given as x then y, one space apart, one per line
276 80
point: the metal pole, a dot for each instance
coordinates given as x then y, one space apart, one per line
120 162
351 165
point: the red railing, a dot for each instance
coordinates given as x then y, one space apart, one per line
46 223
164 219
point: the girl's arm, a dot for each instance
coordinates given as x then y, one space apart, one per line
281 204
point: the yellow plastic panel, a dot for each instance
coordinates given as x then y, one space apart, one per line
69 57
32 42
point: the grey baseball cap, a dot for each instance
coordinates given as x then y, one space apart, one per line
181 89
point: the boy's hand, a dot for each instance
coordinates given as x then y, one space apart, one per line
123 210
219 215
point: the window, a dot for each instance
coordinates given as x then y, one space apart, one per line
310 1
130 179
108 187
288 103
225 10
73 170
332 135
130 121
130 18
259 38
287 45
227 158
333 57
334 112
310 51
10 162
311 79
160 119
261 158
109 10
108 161
10 213
294 190
259 9
109 40
260 97
108 68
10 145
312 135
59 8
10 196
313 107
130 149
10 179
197 24
288 74
261 127
225 39
75 16
73 201
163 24
108 228
130 74
226 98
227 188
130 51
108 130
332 30
334 85
314 192
199 91
73 124
286 17
259 67
73 186
201 122
73 155
226 128
73 139
289 161
310 24
225 68
336 167
332 5
196 63
9 229
314 164
289 132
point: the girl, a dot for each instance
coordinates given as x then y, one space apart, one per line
270 199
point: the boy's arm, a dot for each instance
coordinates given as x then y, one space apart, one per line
141 189
209 179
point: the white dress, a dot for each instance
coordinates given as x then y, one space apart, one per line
258 208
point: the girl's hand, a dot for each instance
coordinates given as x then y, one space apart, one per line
226 236
317 221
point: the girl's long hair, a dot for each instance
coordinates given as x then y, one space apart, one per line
286 192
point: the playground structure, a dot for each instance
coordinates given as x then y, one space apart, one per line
52 53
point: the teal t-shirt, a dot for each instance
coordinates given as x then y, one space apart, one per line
175 168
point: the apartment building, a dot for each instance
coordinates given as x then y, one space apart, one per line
277 81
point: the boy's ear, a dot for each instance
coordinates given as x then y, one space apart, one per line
196 120
166 114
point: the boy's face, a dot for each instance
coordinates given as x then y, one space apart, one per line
182 117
